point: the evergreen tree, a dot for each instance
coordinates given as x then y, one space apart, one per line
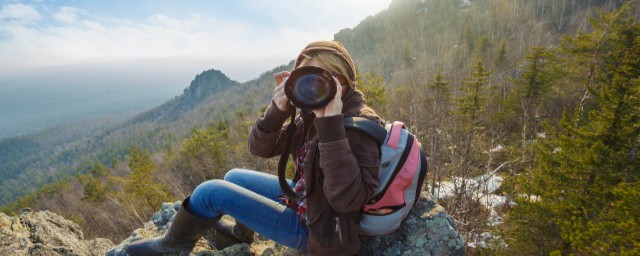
588 171
440 86
373 87
531 88
203 154
94 189
471 102
140 183
438 116
99 170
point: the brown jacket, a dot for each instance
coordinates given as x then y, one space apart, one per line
340 169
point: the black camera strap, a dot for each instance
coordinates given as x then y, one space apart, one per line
284 159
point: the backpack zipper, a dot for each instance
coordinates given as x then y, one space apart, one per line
338 230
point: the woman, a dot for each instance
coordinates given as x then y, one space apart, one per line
338 172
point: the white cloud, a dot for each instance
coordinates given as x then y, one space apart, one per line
160 37
19 13
226 44
66 14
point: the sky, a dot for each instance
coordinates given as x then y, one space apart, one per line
242 38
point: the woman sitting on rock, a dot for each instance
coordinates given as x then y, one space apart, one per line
337 173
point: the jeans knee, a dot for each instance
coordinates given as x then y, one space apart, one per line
207 187
234 174
205 198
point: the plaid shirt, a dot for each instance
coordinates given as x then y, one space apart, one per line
299 205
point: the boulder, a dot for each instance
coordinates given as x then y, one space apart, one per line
46 233
158 226
428 230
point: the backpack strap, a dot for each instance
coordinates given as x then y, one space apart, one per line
396 132
371 128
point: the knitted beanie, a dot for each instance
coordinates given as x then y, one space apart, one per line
334 47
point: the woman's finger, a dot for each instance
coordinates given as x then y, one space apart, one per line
280 76
339 89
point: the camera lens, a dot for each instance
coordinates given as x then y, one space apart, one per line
310 87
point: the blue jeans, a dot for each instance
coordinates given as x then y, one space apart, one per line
251 198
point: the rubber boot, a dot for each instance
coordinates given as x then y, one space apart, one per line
228 234
183 233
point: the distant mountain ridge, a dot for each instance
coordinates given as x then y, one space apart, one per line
31 161
68 149
204 85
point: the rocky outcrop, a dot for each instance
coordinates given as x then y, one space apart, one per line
428 230
46 233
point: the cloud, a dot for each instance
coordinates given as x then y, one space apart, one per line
160 36
67 14
19 13
190 23
83 36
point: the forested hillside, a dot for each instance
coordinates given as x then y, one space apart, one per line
528 111
62 152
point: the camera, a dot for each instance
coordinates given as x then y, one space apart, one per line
310 88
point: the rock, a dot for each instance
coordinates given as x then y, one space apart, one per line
158 226
46 233
428 230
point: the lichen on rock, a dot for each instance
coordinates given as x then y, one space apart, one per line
427 230
46 233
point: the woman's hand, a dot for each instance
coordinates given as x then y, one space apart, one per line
279 97
334 107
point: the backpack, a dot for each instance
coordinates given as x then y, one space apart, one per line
403 168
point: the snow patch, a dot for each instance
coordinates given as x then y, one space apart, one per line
496 149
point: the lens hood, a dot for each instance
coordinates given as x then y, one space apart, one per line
310 88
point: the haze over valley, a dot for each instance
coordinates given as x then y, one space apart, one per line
38 99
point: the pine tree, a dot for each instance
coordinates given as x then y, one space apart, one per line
202 156
440 86
94 189
588 174
373 87
140 183
467 159
439 114
531 88
472 100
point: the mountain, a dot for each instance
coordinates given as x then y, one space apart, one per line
413 39
206 84
30 161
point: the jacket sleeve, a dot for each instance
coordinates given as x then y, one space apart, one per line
267 136
349 161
